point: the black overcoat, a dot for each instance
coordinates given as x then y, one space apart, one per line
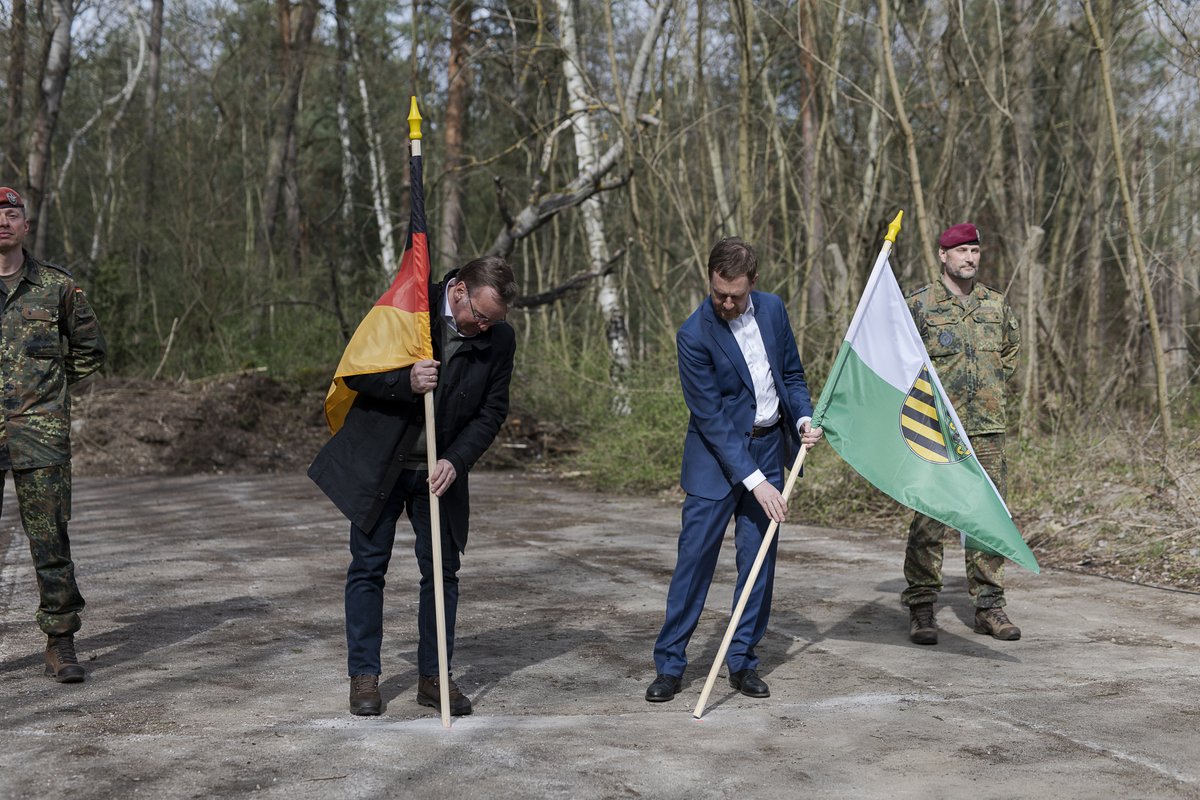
359 466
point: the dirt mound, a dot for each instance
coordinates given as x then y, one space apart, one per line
244 422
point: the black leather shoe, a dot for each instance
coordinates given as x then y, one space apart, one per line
663 689
748 683
364 696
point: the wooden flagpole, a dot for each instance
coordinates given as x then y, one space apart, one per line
435 514
435 531
748 587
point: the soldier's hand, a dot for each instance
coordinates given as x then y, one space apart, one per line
771 501
424 376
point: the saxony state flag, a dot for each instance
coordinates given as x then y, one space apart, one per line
885 412
395 332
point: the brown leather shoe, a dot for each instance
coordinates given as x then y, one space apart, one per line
921 627
995 622
61 661
364 696
429 693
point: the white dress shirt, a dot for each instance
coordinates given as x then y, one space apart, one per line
766 399
750 342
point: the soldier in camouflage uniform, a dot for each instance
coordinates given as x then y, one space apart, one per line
49 339
972 338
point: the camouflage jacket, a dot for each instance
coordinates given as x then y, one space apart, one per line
49 339
973 342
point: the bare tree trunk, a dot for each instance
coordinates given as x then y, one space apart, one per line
868 191
296 38
1020 205
940 191
1093 355
1131 222
709 131
1034 274
1175 344
608 296
153 89
380 182
910 143
146 203
742 13
104 209
53 84
14 134
783 163
291 205
341 270
451 231
813 298
840 285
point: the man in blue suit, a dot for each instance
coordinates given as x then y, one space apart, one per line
750 409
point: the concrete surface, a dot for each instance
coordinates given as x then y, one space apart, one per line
216 661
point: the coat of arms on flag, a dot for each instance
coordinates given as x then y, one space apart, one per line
927 432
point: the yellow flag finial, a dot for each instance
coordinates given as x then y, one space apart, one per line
893 229
414 120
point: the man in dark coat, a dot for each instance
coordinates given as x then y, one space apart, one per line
374 468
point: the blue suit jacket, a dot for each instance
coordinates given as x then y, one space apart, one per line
720 394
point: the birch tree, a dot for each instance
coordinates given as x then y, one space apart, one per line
608 296
51 87
10 162
377 163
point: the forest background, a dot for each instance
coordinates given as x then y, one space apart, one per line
228 180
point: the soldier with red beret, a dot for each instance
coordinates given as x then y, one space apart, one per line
49 339
973 340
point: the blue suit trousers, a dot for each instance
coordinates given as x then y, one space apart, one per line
703 530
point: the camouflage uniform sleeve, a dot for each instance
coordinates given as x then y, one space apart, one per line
917 308
85 344
1011 346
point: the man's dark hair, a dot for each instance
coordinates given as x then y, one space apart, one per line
491 271
731 258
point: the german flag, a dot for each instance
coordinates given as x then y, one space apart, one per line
395 332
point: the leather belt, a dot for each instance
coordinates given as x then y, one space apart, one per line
758 432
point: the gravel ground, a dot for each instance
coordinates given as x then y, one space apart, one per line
216 660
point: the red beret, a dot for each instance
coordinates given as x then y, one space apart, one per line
10 199
962 233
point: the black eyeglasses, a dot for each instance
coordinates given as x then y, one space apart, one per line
480 318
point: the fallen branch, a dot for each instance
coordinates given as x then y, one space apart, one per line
569 285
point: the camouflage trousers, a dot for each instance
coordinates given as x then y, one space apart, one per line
44 497
923 556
